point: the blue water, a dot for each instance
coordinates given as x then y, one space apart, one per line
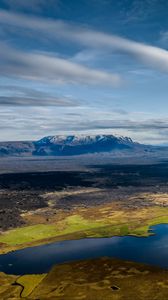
151 250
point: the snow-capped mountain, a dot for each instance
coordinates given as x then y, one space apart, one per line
68 145
81 144
82 139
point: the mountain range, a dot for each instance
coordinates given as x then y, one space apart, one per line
68 145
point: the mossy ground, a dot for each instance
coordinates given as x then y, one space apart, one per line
102 221
29 283
93 279
96 279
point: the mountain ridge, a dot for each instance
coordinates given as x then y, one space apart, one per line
69 145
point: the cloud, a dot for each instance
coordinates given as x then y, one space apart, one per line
12 95
34 122
40 121
124 124
48 68
30 101
58 30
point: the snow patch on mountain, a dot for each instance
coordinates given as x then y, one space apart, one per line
83 139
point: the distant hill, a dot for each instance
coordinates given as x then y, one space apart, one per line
69 145
16 148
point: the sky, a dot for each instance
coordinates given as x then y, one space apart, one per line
84 67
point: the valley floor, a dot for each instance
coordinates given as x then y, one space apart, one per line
85 212
98 279
96 201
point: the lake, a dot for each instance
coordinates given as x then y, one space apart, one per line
151 250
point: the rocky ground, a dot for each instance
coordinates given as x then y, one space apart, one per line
65 190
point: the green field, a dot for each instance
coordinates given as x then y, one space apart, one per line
28 234
77 226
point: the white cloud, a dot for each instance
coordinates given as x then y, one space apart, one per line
47 68
58 30
16 95
30 101
24 123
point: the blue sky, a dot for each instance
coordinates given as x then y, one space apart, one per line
88 66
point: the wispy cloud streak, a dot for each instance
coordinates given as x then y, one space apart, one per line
150 55
24 96
49 68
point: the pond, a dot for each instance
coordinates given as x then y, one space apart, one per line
39 259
